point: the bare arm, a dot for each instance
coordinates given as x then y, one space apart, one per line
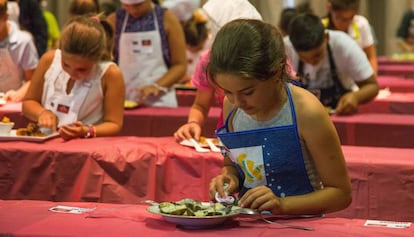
325 149
368 90
371 53
114 96
176 42
32 107
196 117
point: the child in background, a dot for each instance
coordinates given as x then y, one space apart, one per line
219 13
53 30
342 15
83 7
18 57
76 88
330 64
150 50
273 158
196 37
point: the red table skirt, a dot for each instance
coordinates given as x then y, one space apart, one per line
396 83
132 169
32 218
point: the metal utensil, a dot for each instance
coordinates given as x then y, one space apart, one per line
248 211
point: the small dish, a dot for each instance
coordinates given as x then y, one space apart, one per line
5 128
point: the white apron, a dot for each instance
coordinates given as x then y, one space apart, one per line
142 63
10 75
66 106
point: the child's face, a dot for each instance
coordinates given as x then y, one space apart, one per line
251 95
313 56
139 9
76 66
342 19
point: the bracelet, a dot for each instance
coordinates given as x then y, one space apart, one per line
91 132
160 88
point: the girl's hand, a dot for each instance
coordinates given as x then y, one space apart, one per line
261 198
73 130
187 131
217 185
47 119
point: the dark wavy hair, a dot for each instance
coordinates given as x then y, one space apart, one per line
248 48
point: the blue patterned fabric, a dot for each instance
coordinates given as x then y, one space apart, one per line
268 156
144 23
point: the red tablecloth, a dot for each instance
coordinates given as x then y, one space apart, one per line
187 97
32 218
396 83
160 121
131 169
403 70
142 121
376 129
396 102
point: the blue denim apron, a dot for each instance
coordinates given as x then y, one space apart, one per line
268 156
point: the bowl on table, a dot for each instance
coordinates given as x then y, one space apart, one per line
5 128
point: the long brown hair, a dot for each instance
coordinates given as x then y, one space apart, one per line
87 36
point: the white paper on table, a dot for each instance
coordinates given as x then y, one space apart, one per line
389 224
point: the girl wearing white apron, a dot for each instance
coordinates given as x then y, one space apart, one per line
142 64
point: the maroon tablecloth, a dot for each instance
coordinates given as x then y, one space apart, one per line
32 218
403 70
396 83
362 129
132 169
376 129
396 102
160 121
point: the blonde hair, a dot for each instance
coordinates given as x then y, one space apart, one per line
87 36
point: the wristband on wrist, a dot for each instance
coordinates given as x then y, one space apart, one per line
161 88
91 132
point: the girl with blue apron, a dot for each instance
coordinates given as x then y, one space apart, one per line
269 156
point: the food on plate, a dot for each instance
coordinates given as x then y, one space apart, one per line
203 141
5 119
190 207
31 130
128 104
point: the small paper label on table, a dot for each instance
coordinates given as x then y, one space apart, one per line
389 224
72 210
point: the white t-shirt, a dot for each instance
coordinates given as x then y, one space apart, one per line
351 63
360 30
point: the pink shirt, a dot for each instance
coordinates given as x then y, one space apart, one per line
201 82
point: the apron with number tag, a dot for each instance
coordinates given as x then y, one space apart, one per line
269 156
142 63
66 106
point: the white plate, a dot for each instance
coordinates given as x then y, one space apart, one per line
14 137
188 142
193 222
2 102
